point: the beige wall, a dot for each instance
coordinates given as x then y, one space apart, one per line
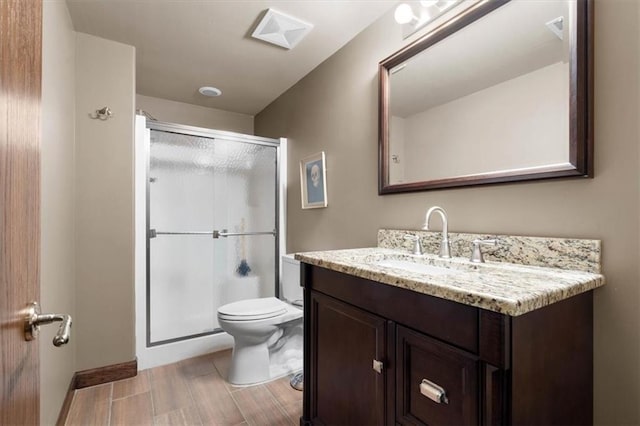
334 109
104 326
491 119
195 115
57 288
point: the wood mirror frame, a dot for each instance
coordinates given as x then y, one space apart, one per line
580 105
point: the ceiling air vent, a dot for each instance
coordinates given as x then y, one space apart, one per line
281 30
556 26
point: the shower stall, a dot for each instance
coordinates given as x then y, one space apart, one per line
208 232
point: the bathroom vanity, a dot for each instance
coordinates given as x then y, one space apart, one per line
448 342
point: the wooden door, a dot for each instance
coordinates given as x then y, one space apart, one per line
346 390
20 78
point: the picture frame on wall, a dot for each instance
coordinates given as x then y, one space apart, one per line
313 181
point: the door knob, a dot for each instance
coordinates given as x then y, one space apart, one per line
34 319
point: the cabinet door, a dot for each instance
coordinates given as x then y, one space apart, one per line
445 368
345 342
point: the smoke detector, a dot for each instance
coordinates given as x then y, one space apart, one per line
281 30
210 91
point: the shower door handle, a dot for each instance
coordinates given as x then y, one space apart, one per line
216 234
225 234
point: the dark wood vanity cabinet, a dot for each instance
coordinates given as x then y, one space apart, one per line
347 390
369 347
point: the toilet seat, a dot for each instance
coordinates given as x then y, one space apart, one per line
252 309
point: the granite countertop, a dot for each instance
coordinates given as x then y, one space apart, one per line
507 288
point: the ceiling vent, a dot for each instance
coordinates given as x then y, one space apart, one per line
556 26
281 30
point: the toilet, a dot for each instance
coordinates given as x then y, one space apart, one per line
267 332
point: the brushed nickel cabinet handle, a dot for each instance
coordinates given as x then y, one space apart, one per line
378 366
433 392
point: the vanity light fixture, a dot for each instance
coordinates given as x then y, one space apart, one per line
445 4
404 14
429 10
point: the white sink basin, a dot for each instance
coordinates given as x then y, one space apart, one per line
419 268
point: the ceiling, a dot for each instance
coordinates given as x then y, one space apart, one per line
182 45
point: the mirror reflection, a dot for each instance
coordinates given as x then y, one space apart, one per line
493 97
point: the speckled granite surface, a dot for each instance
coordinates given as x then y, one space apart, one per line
563 253
497 286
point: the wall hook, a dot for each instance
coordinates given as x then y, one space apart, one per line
102 114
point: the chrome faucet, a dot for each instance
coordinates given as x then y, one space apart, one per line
445 248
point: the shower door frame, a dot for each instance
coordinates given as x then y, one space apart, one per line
182 129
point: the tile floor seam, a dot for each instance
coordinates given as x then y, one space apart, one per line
136 392
275 398
239 409
153 407
73 398
129 396
110 404
216 367
194 403
206 373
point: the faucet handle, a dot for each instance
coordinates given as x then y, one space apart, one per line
417 246
476 254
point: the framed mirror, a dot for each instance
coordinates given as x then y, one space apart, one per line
501 92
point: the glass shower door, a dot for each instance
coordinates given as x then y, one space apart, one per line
212 230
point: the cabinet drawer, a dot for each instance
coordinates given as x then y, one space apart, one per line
451 322
420 357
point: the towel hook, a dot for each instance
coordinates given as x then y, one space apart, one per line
102 114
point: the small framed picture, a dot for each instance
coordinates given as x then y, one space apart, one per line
313 179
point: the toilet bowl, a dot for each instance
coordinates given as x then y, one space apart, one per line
267 332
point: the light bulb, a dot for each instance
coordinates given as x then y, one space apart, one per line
446 5
404 14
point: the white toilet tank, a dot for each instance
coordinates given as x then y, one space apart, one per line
290 289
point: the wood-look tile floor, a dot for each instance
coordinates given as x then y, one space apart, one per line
189 392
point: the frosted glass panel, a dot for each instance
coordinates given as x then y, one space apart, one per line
182 294
201 185
182 188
